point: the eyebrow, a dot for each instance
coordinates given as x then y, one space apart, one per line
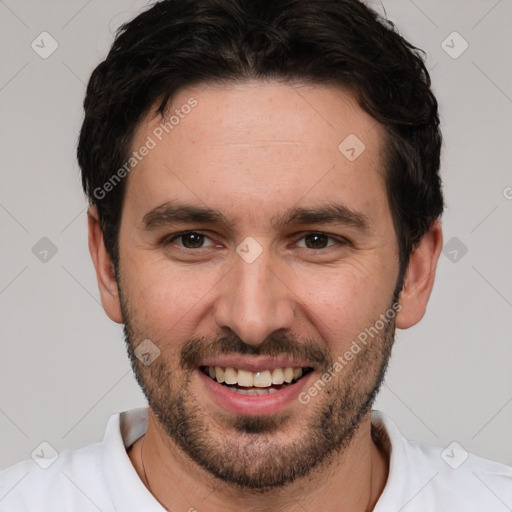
332 213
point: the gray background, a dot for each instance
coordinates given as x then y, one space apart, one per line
63 367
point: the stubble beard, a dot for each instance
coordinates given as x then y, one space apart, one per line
246 455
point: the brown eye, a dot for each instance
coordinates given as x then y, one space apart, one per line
190 240
316 241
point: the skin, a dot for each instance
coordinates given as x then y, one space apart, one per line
253 151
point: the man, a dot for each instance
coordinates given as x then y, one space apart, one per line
265 204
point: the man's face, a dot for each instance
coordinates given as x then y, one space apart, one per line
299 290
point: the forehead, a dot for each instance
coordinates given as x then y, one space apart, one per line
258 146
253 111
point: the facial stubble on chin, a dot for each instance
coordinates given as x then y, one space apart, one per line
247 455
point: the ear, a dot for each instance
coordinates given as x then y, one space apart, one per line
419 279
105 275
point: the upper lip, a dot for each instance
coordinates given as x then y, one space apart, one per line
255 364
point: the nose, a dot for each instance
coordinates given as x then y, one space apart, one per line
254 301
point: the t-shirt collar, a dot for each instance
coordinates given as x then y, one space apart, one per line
129 493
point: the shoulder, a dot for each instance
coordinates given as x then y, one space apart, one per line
430 478
71 480
92 478
471 482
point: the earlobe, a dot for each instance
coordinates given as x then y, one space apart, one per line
105 274
419 279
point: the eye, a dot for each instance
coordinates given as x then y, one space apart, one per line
189 240
318 240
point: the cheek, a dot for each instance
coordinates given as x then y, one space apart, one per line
344 302
167 299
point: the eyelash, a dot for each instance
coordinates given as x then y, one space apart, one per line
170 239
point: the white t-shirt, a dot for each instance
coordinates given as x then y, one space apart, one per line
422 478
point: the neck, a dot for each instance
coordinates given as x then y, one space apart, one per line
353 480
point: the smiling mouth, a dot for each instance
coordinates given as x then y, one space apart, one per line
255 383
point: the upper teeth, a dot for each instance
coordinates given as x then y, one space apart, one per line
249 379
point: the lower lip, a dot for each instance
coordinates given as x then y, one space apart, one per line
253 405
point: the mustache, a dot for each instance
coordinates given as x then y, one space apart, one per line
197 349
